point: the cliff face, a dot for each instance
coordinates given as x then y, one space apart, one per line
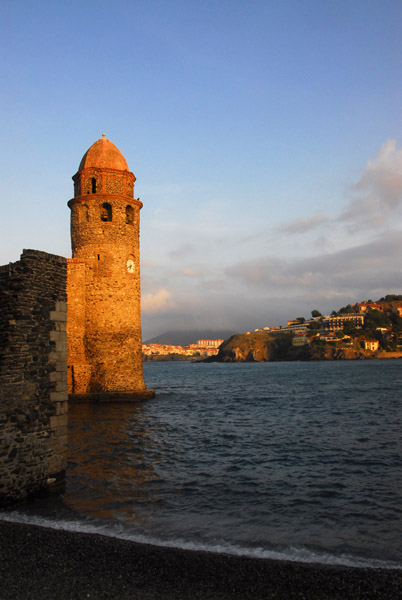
242 347
327 352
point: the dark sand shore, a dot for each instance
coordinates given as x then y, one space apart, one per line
41 563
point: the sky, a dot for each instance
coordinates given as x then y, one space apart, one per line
266 138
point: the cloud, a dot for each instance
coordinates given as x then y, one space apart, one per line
187 272
183 250
375 264
303 224
159 302
377 195
150 264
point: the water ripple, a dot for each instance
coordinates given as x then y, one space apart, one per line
258 456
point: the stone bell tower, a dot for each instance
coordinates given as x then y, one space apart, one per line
103 280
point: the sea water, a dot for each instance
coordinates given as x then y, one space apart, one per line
292 460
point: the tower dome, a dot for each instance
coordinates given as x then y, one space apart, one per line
103 170
103 154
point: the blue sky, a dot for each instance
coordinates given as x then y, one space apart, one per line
265 137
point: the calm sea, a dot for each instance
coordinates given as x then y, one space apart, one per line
283 460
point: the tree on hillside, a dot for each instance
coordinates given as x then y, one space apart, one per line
349 328
345 309
315 313
318 348
375 318
391 297
314 327
396 322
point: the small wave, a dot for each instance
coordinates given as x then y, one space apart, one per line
293 554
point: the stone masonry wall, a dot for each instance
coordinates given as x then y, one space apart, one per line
104 298
33 375
79 370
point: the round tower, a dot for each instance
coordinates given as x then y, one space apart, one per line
103 284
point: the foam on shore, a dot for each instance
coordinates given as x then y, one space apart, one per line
88 525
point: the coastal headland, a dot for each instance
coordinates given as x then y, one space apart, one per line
37 562
263 347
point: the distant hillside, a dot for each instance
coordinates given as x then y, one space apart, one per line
184 338
262 347
380 327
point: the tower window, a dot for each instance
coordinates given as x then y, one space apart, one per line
129 215
93 183
106 212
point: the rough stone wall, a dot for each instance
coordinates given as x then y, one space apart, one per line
107 355
33 372
78 370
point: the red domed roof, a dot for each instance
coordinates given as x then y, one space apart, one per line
103 154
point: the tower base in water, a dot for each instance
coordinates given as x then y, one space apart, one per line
111 397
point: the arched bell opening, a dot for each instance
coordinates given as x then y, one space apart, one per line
129 215
106 212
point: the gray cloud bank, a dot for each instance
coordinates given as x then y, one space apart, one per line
353 270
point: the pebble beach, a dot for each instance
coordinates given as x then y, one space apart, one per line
41 563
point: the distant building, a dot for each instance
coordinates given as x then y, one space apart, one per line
300 340
364 306
296 327
371 345
335 323
209 343
332 337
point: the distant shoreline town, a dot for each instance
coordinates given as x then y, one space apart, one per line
201 349
363 330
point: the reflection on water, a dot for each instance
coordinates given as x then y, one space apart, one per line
107 463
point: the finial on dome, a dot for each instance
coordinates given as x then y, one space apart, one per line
103 135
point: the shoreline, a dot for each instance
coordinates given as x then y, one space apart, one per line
39 562
212 359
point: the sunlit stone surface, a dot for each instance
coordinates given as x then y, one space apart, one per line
103 281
